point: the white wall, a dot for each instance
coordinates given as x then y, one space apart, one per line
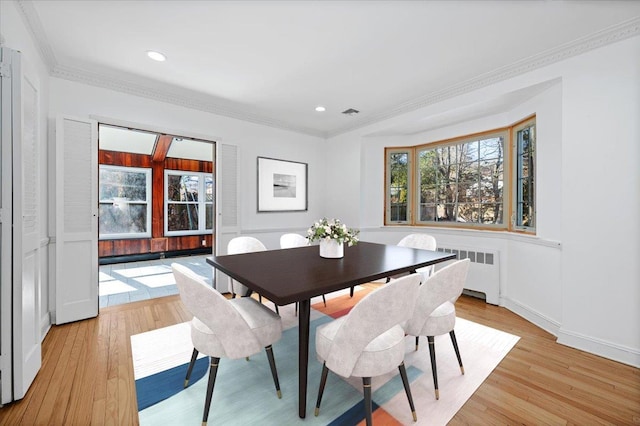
15 36
579 276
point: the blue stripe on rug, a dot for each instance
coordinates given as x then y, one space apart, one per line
353 415
157 387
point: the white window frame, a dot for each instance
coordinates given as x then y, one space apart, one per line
202 203
131 235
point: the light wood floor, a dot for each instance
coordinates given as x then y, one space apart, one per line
87 374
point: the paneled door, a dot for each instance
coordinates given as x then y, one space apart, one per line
76 229
20 295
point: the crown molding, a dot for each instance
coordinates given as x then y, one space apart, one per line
171 94
32 21
582 45
190 99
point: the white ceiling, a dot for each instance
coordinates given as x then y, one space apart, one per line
272 62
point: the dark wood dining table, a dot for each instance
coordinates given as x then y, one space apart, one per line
296 275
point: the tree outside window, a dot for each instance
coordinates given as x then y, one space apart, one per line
124 209
189 203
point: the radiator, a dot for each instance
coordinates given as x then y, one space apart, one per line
484 272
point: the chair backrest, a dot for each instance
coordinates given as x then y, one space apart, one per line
240 245
421 241
216 312
293 240
375 314
445 285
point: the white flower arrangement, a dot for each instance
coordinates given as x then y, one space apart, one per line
332 230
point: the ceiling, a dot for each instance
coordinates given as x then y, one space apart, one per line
273 62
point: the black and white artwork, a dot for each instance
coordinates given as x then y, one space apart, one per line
282 185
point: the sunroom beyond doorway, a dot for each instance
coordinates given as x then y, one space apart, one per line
156 202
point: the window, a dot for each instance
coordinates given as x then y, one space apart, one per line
188 203
464 182
398 182
124 209
524 197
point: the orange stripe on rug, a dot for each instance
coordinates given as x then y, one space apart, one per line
341 305
381 418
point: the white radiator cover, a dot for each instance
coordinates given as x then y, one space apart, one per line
484 270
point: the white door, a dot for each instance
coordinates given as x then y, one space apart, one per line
26 295
7 112
227 226
22 297
76 219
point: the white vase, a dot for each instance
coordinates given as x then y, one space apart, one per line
331 249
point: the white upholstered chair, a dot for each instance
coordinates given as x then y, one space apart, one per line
292 240
225 328
418 241
240 245
369 340
421 241
435 313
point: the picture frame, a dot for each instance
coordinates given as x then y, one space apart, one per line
282 185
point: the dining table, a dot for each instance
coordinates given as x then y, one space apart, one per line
298 274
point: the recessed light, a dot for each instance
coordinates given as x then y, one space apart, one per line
320 108
156 56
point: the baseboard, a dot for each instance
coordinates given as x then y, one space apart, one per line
600 347
575 340
531 315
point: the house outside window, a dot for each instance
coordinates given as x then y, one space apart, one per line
465 182
124 202
188 203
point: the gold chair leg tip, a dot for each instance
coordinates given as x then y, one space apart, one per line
279 394
416 347
415 417
462 369
204 423
317 412
437 394
186 383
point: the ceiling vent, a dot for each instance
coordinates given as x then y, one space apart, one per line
350 111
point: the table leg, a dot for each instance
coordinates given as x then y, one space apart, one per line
303 355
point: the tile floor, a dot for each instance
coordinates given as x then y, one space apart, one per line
121 283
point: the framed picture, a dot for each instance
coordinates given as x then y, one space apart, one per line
282 185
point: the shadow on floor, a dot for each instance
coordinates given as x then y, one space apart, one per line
121 283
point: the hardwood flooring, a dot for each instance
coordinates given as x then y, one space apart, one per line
87 374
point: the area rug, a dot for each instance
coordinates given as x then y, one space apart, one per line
244 392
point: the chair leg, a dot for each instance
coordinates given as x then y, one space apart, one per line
296 308
260 298
233 295
407 390
194 355
323 381
277 310
455 347
434 369
366 386
351 292
417 341
274 371
213 371
324 300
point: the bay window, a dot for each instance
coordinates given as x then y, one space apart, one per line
464 182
